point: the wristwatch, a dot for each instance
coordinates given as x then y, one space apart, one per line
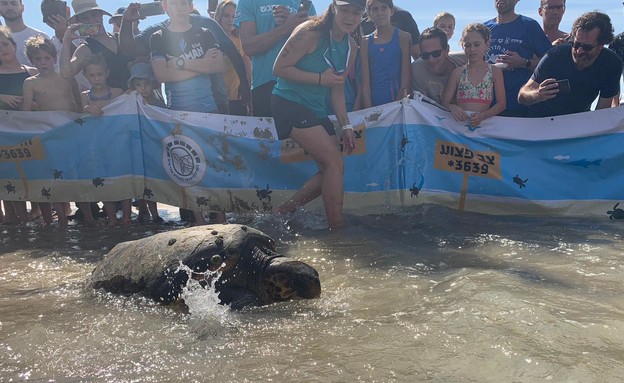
527 64
180 61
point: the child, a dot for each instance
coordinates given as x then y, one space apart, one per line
49 91
472 87
385 57
143 81
100 94
446 22
93 100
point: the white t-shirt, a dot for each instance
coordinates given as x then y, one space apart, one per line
20 41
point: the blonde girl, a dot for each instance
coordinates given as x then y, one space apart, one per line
476 90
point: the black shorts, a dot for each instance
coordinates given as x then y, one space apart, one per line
288 115
261 99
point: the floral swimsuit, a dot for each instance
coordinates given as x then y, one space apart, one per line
482 93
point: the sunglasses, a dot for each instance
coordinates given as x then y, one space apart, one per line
435 54
553 7
327 55
585 47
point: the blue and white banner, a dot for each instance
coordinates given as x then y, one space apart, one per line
408 153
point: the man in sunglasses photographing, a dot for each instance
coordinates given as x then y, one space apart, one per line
570 77
431 71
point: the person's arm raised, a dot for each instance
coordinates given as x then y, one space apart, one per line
127 44
255 44
70 64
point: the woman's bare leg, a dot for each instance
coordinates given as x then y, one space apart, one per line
20 211
87 215
328 182
111 212
46 212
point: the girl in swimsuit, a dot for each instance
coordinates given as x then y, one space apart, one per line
476 87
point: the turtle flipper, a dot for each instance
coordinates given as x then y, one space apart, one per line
238 298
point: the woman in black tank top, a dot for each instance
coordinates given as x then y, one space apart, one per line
12 76
12 73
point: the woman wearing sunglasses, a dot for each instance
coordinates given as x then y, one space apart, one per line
312 64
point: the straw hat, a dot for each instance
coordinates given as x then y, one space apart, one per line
82 6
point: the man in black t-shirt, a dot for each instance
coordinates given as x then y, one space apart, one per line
175 56
570 77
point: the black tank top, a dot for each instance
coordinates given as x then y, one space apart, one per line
12 84
117 63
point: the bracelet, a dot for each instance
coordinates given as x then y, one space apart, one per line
347 127
320 78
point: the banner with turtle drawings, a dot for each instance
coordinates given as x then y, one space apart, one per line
408 153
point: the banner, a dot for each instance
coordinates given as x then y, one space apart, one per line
407 153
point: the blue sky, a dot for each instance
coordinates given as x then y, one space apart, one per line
465 11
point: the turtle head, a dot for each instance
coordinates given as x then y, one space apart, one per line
285 279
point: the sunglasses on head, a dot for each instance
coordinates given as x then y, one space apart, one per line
585 47
435 54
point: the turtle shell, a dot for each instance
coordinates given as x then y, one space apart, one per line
149 266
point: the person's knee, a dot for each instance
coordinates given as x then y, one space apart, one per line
331 162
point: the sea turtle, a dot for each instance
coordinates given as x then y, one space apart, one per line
519 181
45 193
98 181
414 190
10 188
252 273
147 193
404 141
202 201
616 213
57 174
263 194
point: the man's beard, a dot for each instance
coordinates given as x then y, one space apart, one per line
12 18
582 58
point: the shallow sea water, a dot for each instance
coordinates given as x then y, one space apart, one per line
430 295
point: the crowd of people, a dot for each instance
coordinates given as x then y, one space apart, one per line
278 59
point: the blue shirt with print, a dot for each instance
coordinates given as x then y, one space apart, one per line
523 36
261 12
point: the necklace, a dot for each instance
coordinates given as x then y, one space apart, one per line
105 97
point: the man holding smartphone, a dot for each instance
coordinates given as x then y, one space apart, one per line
264 27
570 76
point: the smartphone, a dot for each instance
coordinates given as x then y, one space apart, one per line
90 30
305 5
53 8
151 9
564 86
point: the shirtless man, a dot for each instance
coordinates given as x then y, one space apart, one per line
48 91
